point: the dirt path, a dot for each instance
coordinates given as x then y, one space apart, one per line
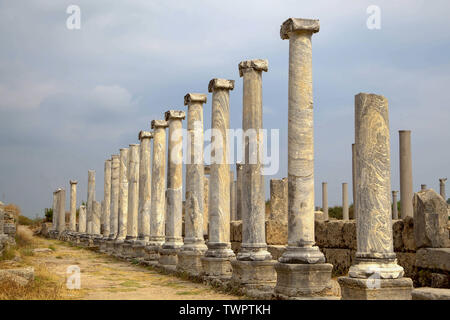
107 278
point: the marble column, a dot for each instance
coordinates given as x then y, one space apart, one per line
158 203
239 178
254 264
123 202
90 200
194 243
82 219
133 192
217 259
106 210
233 198
442 188
61 226
406 178
173 242
375 257
301 269
114 203
145 193
205 204
394 205
55 210
354 181
73 206
345 211
325 201
96 216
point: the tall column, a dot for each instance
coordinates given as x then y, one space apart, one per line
123 199
375 257
345 216
106 211
90 200
301 258
55 210
61 211
73 206
114 204
133 192
82 219
239 178
145 187
96 216
158 204
174 239
442 188
325 201
406 178
205 204
194 243
354 180
233 198
217 258
254 264
394 205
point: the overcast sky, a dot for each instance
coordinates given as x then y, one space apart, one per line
69 99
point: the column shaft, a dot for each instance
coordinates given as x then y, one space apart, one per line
90 200
325 200
442 188
406 179
345 211
145 192
133 192
114 203
82 219
61 211
73 206
239 178
106 210
394 205
96 216
123 195
354 180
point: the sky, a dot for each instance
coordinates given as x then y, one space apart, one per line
69 99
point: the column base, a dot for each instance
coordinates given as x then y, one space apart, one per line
379 268
151 254
256 278
118 248
375 289
303 280
302 255
110 246
217 267
189 261
127 249
168 258
138 249
102 245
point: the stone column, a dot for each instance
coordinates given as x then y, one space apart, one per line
82 219
173 242
73 206
254 264
239 178
158 204
375 257
345 216
325 201
133 192
205 204
61 211
442 188
216 262
394 205
194 243
55 210
96 216
232 197
406 178
279 201
90 200
354 181
123 201
301 269
114 204
145 192
106 211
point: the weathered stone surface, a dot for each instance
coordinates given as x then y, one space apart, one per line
409 242
345 211
254 272
349 234
406 178
324 201
276 250
145 192
236 231
292 25
205 205
407 260
96 213
276 232
21 276
430 220
114 210
335 234
439 280
430 294
133 192
123 196
239 178
106 210
73 206
90 200
375 289
397 232
279 199
61 211
433 258
341 259
82 219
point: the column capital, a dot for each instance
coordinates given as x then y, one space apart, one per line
57 190
145 135
134 145
217 84
73 182
115 156
194 97
174 114
159 124
443 180
257 64
298 24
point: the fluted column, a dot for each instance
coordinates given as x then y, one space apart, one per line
345 210
73 206
133 192
96 216
194 244
106 209
114 203
217 258
145 192
90 200
123 195
174 239
325 201
394 205
406 178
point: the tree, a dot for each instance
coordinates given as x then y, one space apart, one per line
48 214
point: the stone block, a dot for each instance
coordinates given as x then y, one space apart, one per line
433 258
397 231
335 234
320 228
375 289
276 251
341 259
216 267
407 260
430 220
279 199
430 294
236 231
254 273
439 280
409 243
349 234
276 232
190 262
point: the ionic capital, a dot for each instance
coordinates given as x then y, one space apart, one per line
145 135
159 124
174 114
194 97
257 64
217 84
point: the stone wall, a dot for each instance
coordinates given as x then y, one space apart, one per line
337 240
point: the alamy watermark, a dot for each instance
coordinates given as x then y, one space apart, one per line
73 22
374 20
73 277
